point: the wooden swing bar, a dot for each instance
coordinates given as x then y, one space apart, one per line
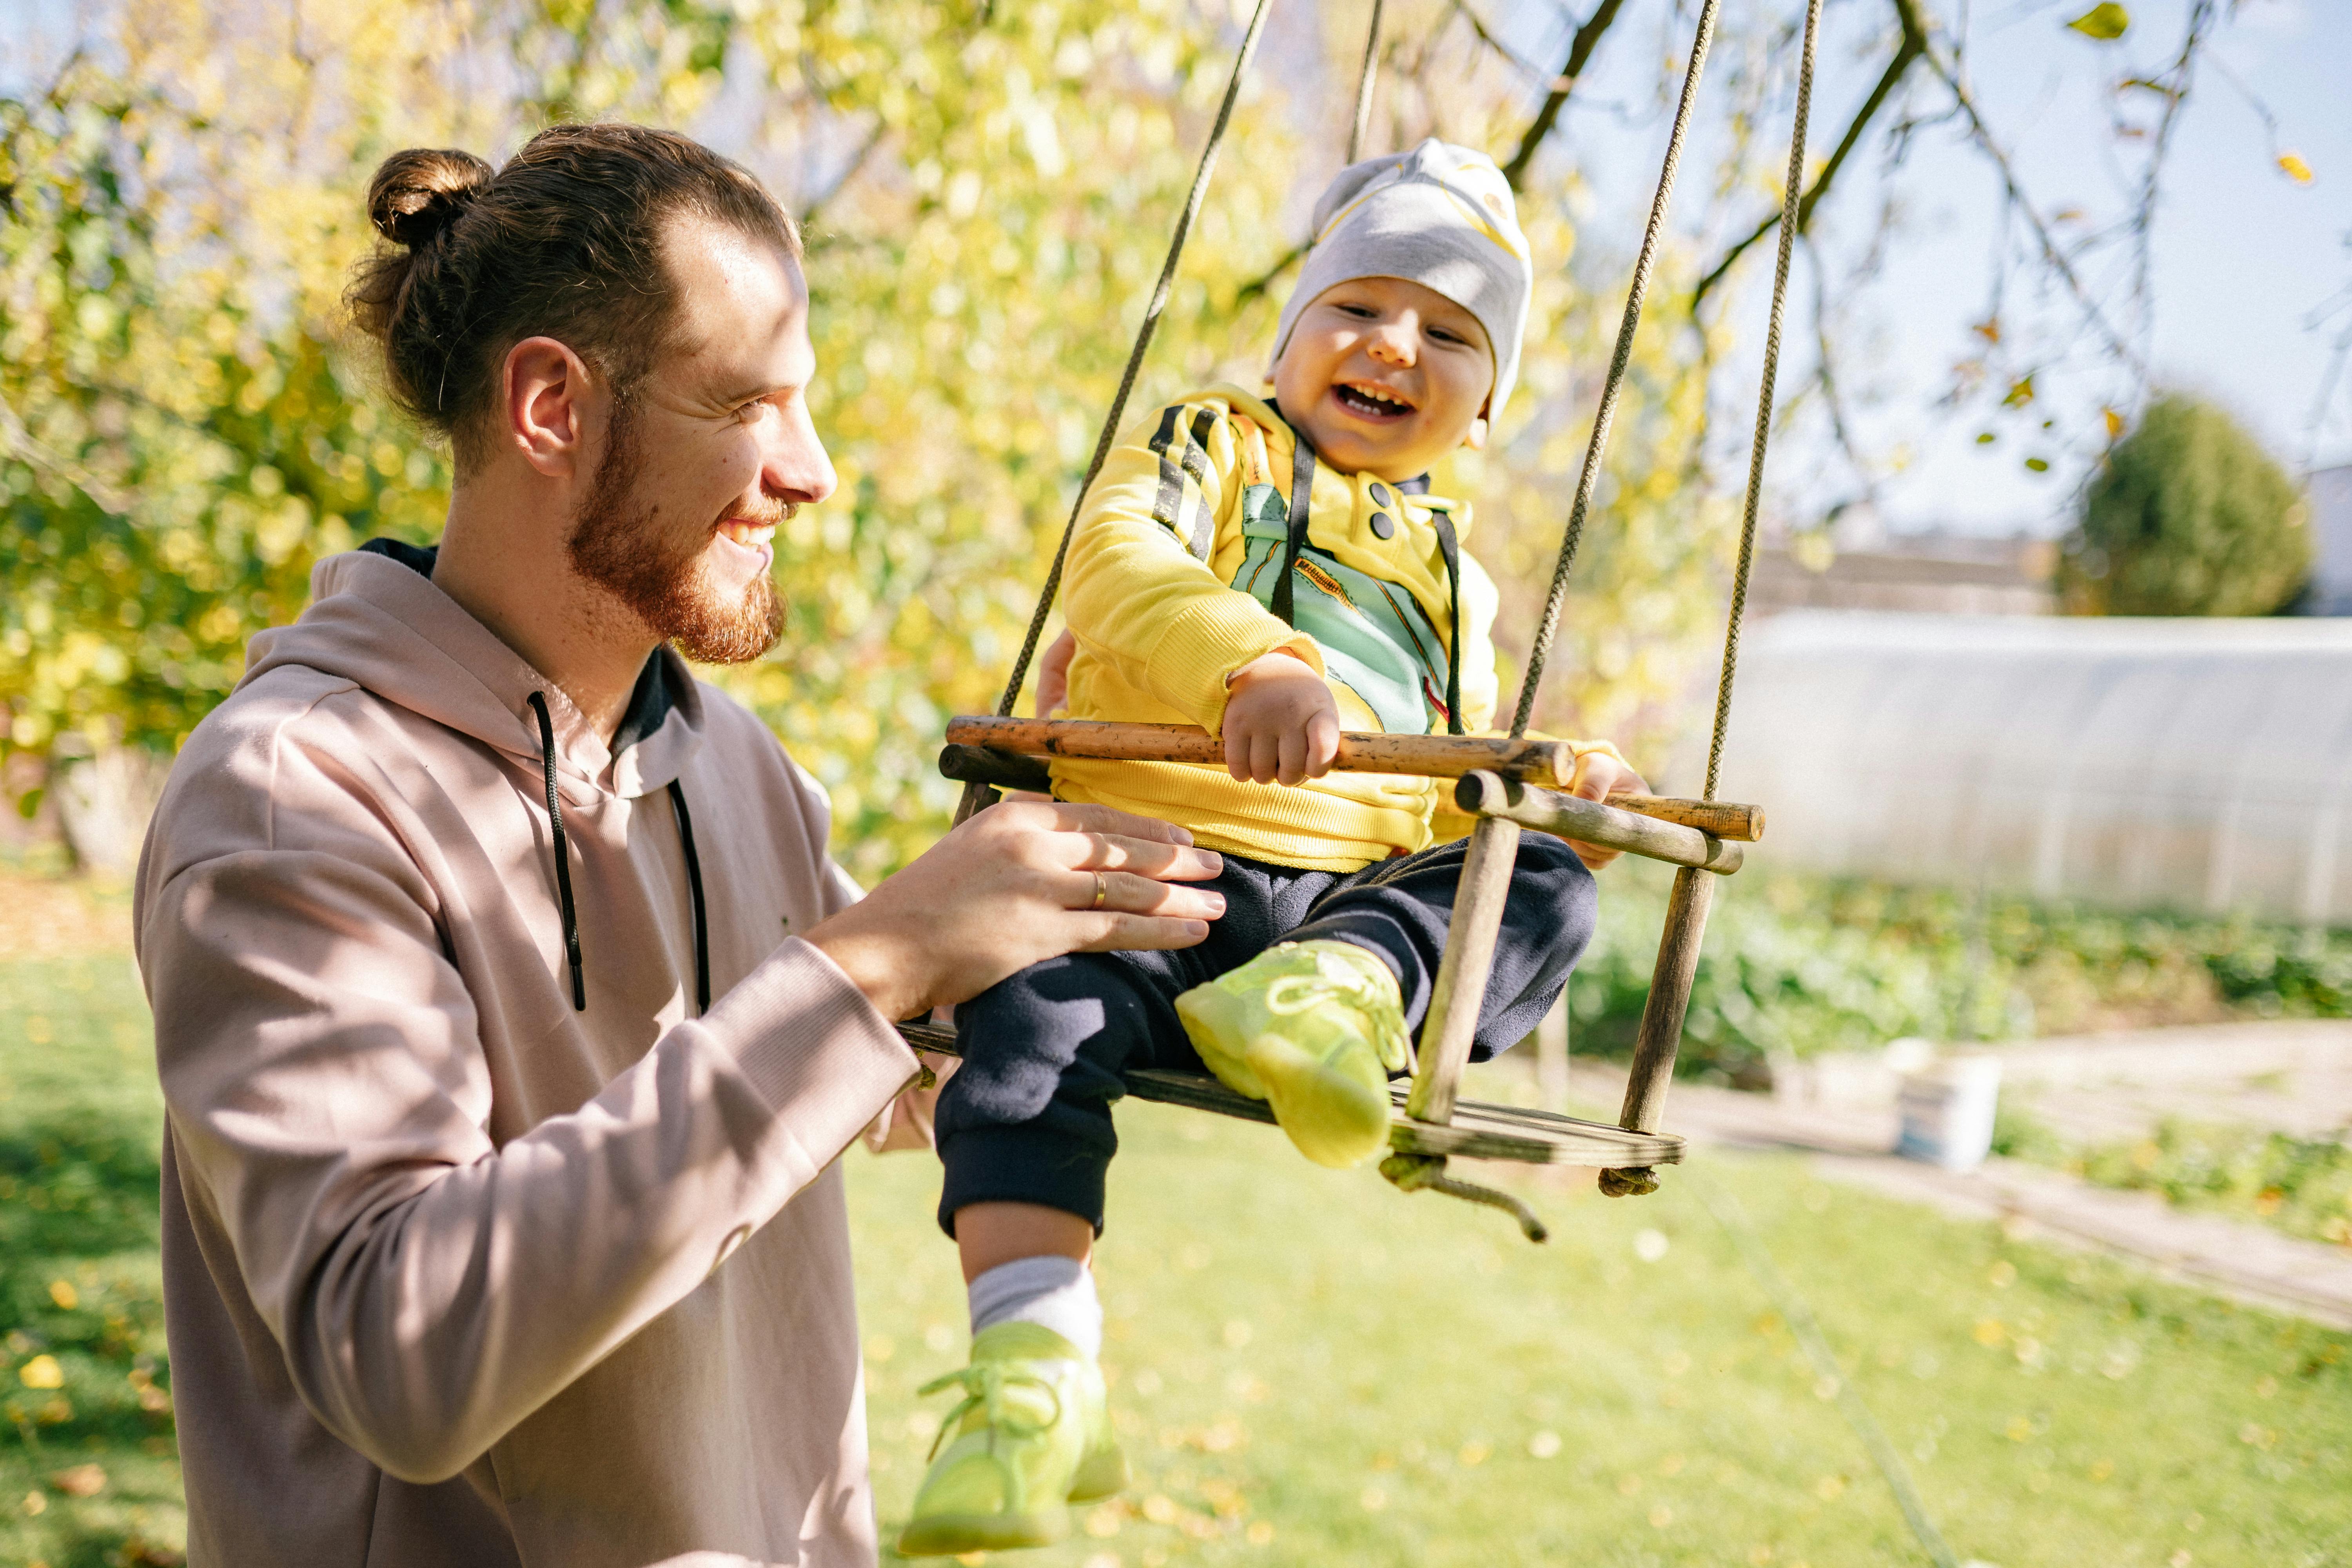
1548 764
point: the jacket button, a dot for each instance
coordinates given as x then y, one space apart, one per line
1380 497
1384 525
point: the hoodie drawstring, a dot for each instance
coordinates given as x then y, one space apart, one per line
562 855
693 890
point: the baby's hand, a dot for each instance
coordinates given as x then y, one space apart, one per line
1280 721
1597 776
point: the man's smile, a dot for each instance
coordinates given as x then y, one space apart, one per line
746 532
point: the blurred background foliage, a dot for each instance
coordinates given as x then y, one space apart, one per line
1798 965
2189 516
187 425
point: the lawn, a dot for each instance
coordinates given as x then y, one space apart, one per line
1310 1368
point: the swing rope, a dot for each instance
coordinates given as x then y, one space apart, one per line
1606 412
1789 205
1364 83
975 795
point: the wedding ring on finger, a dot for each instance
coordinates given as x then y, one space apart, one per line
1102 889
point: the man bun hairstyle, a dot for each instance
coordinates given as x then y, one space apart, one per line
563 242
416 194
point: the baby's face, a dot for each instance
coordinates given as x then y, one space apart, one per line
1385 377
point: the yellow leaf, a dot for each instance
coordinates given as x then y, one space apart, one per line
82 1481
62 1292
2114 423
2104 22
2039 465
2020 394
2292 165
42 1372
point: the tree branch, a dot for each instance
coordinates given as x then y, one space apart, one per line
1907 53
2052 256
1265 280
1579 52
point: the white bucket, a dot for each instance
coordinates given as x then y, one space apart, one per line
1948 1111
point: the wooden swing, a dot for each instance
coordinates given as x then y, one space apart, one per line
1507 784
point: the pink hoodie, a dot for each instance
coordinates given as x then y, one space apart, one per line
455 1273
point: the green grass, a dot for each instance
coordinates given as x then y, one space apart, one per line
1367 1378
1310 1368
79 1117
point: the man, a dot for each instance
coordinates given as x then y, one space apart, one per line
509 1012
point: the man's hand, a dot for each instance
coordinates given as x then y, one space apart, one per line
1597 776
1280 721
1015 885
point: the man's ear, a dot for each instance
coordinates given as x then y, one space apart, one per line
548 396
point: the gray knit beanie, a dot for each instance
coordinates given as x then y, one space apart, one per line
1439 216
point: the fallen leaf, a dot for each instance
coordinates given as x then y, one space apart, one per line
82 1481
2104 22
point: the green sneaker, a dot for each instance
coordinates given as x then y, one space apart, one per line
1031 1436
1313 1028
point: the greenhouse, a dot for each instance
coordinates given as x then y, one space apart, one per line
2194 764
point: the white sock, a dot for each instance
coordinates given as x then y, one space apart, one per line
1051 1292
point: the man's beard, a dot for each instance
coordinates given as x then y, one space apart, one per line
618 546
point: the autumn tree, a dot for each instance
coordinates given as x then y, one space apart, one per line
2189 517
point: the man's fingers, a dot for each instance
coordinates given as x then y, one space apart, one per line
1166 862
1124 892
1127 932
1111 822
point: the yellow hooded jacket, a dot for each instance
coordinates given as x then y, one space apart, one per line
1166 593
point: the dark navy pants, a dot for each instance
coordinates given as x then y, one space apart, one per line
1027 1119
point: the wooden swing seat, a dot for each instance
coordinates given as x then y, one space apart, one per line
1478 1130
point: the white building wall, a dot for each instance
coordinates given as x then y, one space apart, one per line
2200 764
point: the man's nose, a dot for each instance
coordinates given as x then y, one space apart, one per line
795 467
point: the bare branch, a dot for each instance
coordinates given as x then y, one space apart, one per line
1486 36
1907 52
2174 89
1265 280
857 162
1579 52
2054 257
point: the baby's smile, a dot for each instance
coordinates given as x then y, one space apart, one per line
1367 400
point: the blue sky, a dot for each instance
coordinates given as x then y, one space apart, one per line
2242 255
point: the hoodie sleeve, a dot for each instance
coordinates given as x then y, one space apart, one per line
329 1095
1136 592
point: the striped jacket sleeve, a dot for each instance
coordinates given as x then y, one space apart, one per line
1139 591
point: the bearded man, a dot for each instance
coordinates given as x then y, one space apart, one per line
509 1013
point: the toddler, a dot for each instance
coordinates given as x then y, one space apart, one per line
1275 571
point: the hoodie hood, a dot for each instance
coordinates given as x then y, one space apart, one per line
377 620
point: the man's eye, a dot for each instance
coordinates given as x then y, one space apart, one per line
750 411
